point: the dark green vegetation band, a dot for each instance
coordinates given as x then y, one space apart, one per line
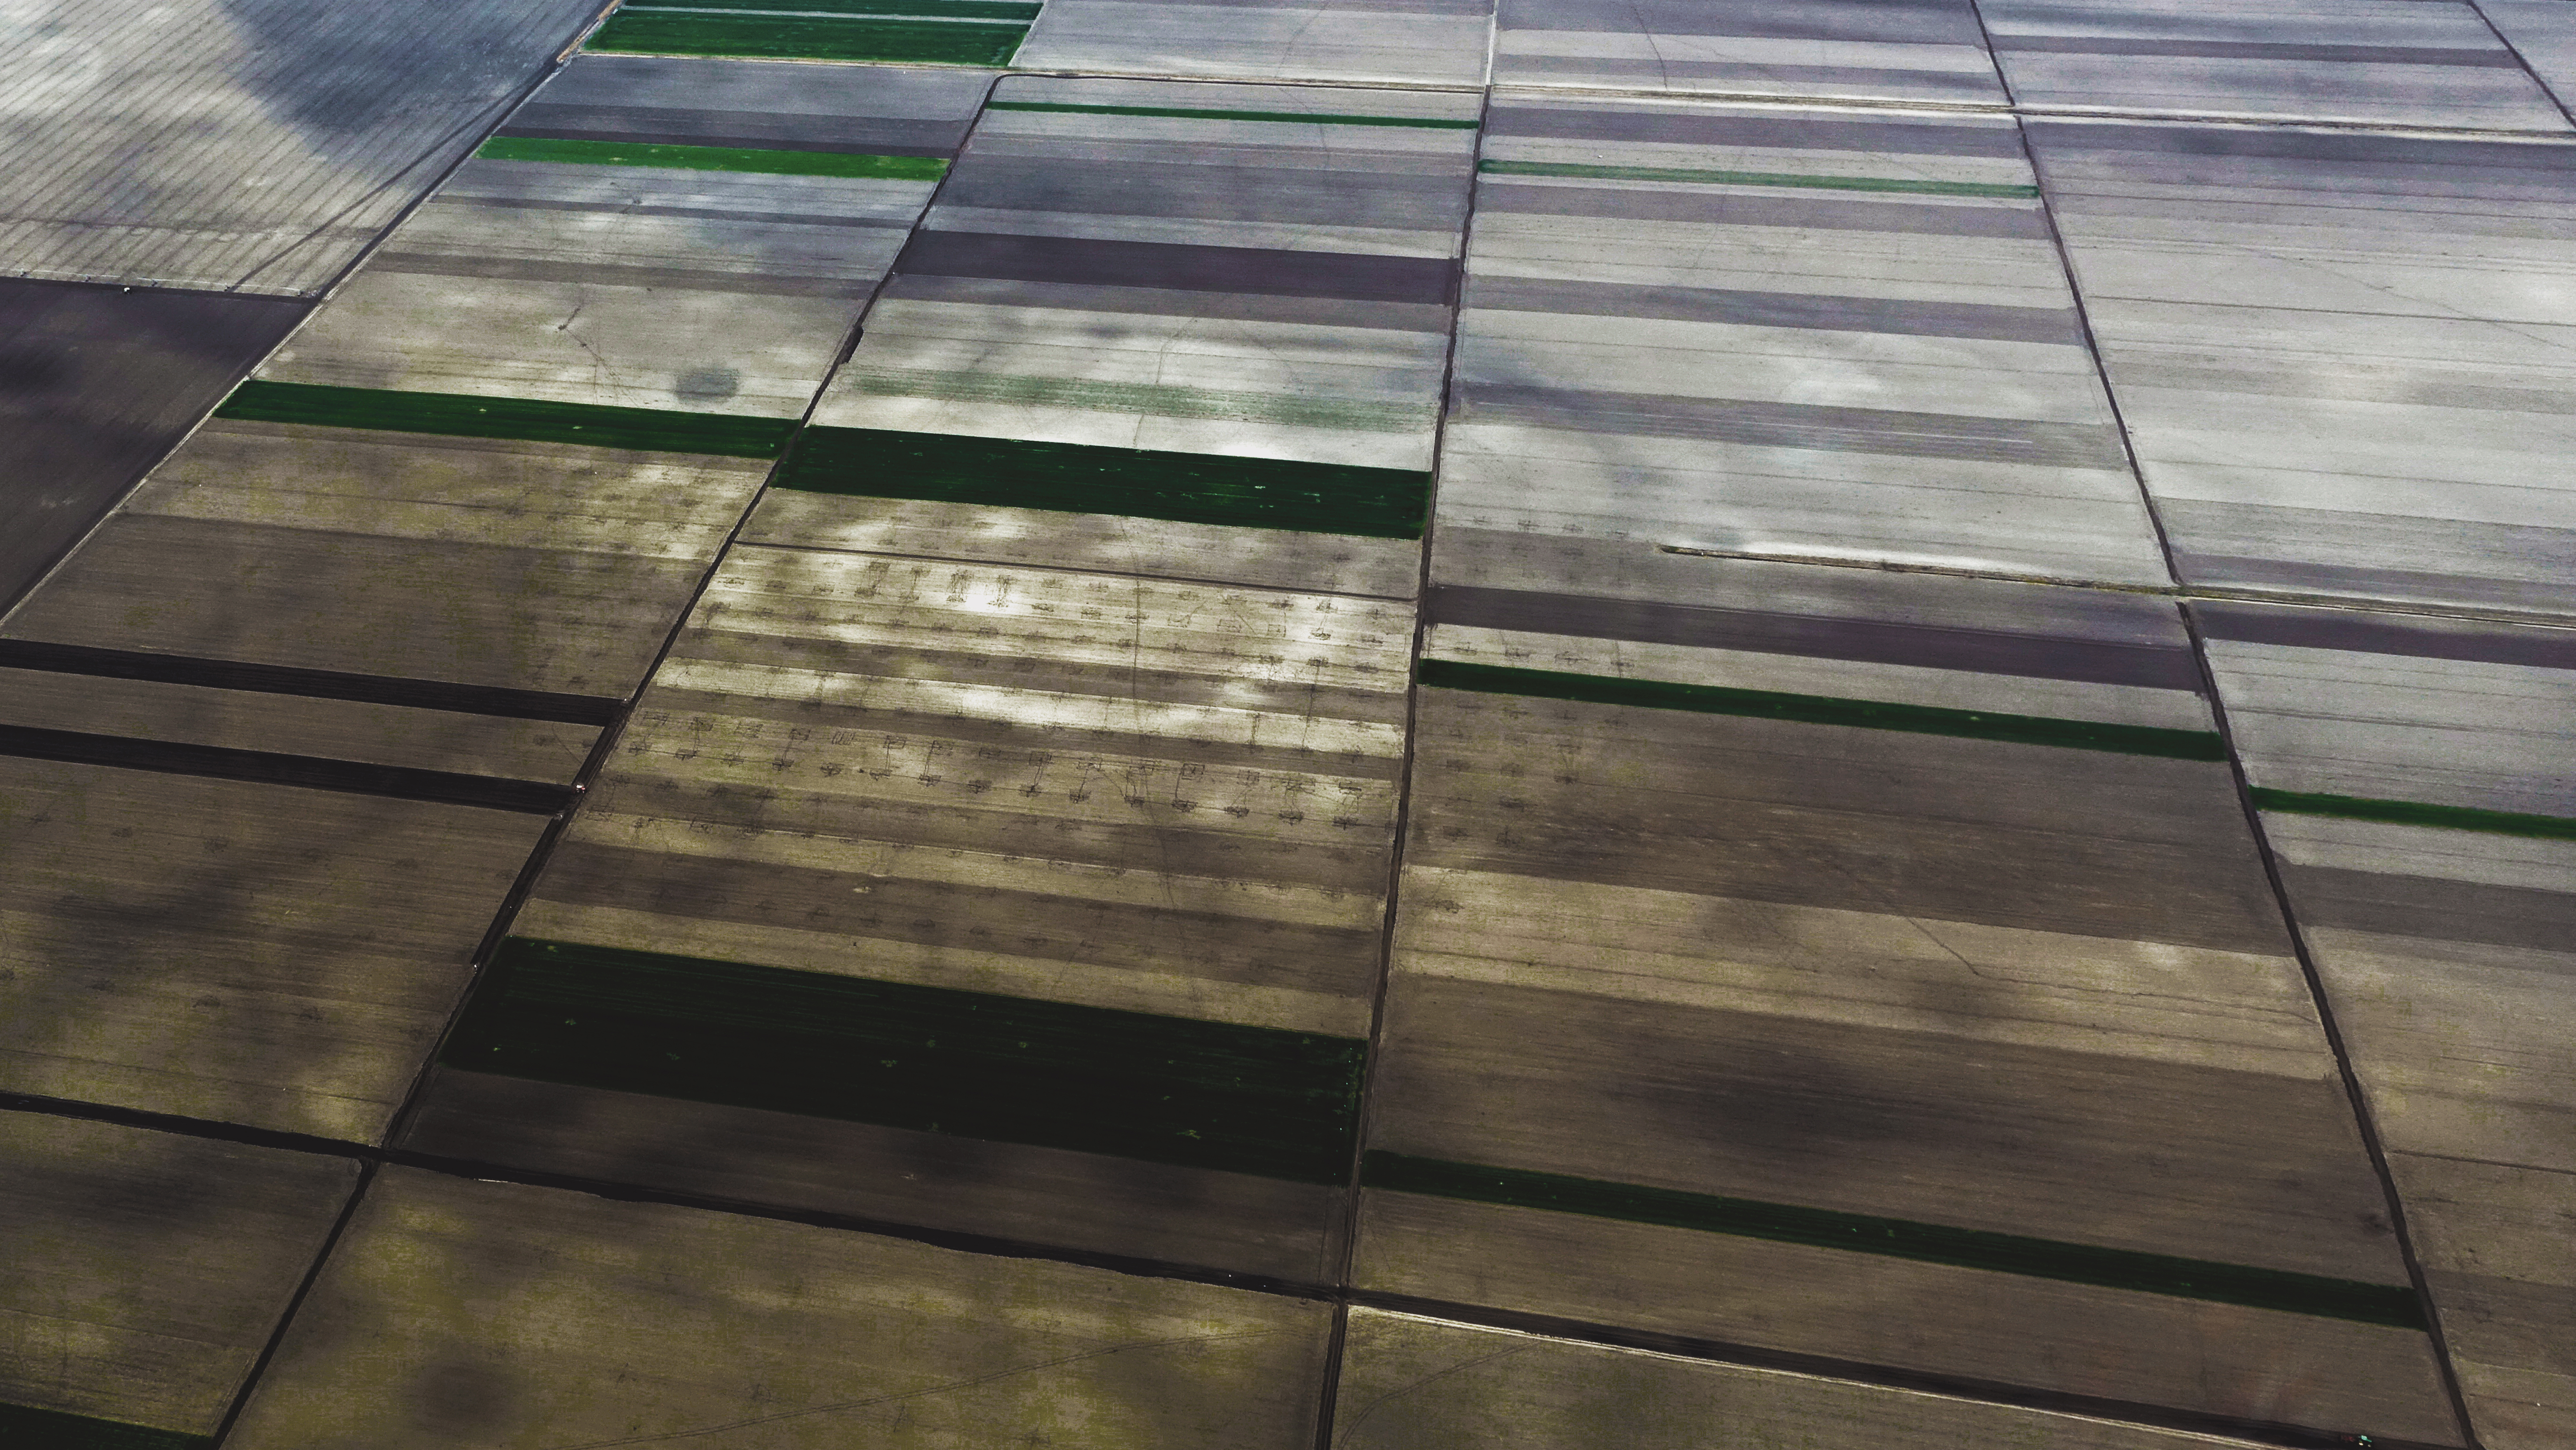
1315 119
1897 1238
2416 813
1756 178
1212 1095
646 32
1823 710
264 767
712 158
1195 488
464 416
22 1428
1023 10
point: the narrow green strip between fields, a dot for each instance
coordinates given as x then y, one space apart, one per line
1312 119
1254 1100
35 1429
1756 178
2144 1273
1020 10
713 158
1260 493
763 37
465 416
1825 710
2417 813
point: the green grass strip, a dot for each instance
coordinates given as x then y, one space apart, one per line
1020 10
713 158
1254 1100
1196 488
760 37
1755 178
1425 122
2416 813
34 1429
464 416
1825 710
2144 1273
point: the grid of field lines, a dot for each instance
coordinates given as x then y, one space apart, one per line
1289 725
